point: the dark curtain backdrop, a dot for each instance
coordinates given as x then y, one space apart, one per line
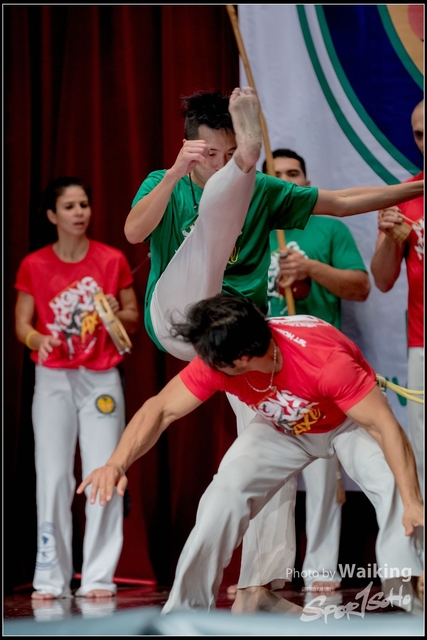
95 91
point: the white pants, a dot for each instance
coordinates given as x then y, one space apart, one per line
323 521
416 410
269 545
196 271
259 462
88 405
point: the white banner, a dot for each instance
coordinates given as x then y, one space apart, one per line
310 106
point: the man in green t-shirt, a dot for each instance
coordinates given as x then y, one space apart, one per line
322 266
208 219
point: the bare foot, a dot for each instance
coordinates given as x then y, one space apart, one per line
254 599
324 586
99 593
42 596
245 113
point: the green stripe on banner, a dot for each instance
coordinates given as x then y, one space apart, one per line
346 127
405 58
359 108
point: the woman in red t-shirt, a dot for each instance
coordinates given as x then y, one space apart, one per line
78 391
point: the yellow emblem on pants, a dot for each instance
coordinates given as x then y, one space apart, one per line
105 404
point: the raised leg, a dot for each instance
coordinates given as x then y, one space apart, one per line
197 269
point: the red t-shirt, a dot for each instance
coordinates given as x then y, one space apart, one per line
323 375
62 293
414 256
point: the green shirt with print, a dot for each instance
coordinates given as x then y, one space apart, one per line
327 240
275 204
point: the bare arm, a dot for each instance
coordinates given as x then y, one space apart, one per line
348 284
24 316
125 308
349 202
373 413
388 256
144 217
140 435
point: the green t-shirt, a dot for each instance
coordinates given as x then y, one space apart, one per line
275 204
327 240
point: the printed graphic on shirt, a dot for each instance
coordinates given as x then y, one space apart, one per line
297 321
105 404
76 320
289 413
234 255
418 228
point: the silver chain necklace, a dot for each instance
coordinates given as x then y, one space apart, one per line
270 386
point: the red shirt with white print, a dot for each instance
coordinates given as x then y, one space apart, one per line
62 293
323 375
414 256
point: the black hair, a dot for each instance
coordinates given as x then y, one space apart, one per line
42 231
223 329
209 108
56 188
286 153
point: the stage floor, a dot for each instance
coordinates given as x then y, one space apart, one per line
139 606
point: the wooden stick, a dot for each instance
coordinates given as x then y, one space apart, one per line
268 155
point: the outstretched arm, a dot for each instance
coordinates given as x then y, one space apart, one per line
373 413
144 217
349 202
141 434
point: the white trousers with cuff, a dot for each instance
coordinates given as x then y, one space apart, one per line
65 409
259 462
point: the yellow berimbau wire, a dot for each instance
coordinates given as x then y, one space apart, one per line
410 394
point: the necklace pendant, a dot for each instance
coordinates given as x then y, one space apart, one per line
270 387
